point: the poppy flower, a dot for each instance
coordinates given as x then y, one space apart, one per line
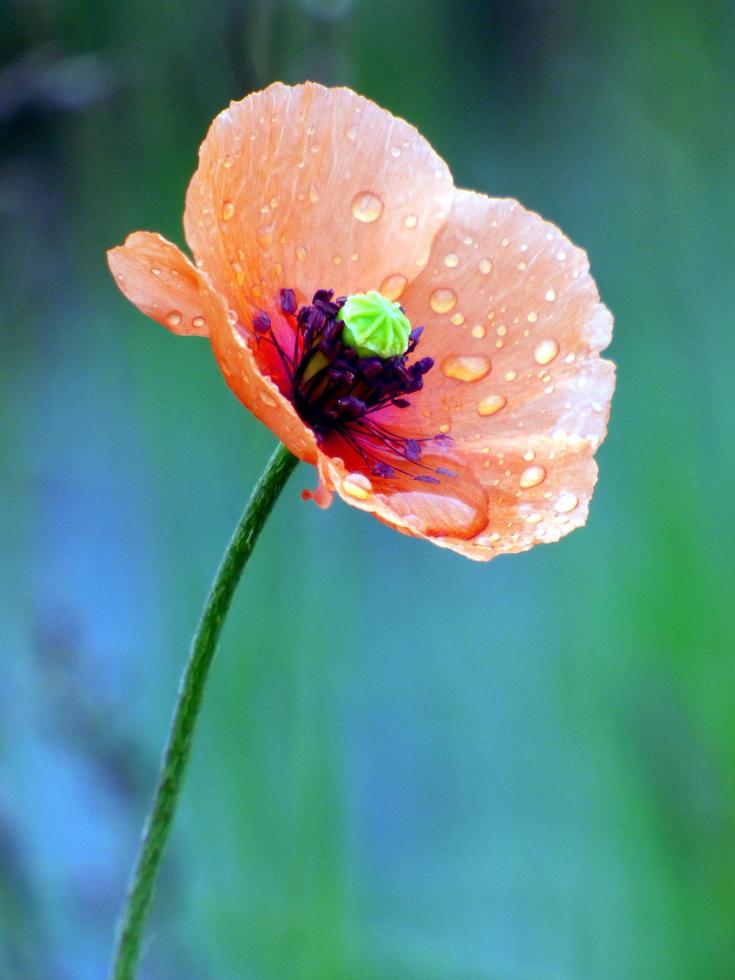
433 352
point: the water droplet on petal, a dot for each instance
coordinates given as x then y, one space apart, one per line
532 317
313 194
566 503
395 151
532 476
467 367
410 221
267 399
546 351
443 300
510 375
367 207
486 266
199 322
173 319
392 286
491 404
352 133
457 319
357 485
228 209
451 261
550 295
478 331
301 252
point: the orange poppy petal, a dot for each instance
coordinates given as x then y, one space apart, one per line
178 295
307 188
449 514
155 275
513 319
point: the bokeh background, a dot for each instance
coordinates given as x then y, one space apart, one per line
408 765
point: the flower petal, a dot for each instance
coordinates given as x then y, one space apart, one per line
514 322
180 288
158 278
453 509
307 188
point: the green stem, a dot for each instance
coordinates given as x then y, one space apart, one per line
178 748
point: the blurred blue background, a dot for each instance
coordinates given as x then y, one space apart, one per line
516 770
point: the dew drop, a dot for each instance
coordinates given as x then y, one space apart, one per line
392 286
267 399
301 252
367 207
451 261
337 260
532 476
228 210
227 162
510 375
566 503
546 352
478 331
156 271
352 133
491 405
532 317
313 194
410 221
199 322
173 319
395 151
443 300
444 428
467 367
486 267
550 295
457 319
357 485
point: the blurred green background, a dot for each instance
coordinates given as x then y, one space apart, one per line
516 770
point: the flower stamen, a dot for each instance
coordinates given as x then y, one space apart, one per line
338 385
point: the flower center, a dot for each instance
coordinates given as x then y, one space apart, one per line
350 359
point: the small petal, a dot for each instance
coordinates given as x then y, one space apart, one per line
158 278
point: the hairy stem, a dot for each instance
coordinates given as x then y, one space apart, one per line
191 690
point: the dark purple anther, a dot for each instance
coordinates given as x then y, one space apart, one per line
288 301
262 322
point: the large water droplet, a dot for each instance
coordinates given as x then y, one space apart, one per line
443 300
532 476
467 367
546 351
367 207
566 503
357 485
491 404
392 286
